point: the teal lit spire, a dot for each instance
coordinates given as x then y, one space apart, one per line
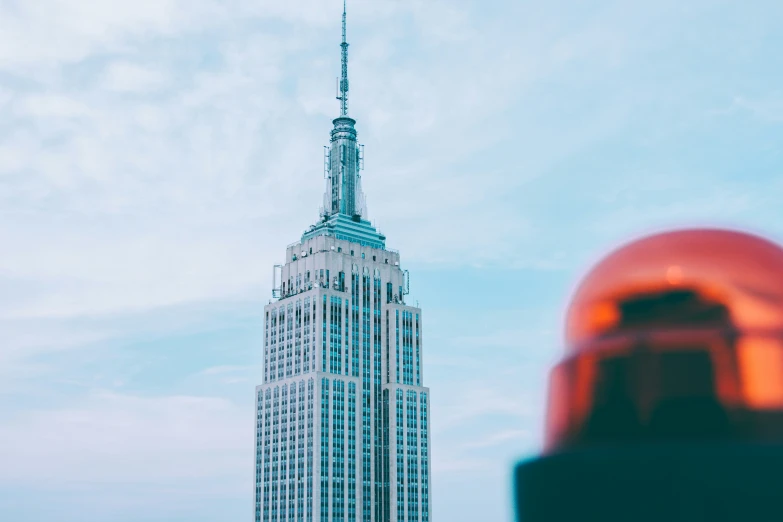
343 94
344 201
344 157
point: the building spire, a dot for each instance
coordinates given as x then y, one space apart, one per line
344 212
343 94
344 159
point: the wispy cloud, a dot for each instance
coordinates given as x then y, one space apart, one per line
768 108
222 370
496 439
127 439
128 77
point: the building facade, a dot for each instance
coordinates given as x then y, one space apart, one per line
342 428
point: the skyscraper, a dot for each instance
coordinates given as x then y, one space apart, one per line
342 430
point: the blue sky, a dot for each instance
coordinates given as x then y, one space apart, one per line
157 156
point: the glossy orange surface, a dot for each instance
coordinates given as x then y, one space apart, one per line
677 335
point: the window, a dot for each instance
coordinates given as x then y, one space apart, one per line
362 255
373 258
351 252
339 249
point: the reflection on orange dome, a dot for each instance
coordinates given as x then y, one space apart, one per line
675 335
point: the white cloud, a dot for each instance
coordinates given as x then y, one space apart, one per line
475 401
768 108
496 439
25 345
128 77
127 439
221 370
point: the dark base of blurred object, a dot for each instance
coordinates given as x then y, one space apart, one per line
661 483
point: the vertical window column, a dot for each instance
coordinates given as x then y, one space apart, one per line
324 337
270 364
407 348
338 452
307 323
292 464
386 463
418 352
275 451
413 457
355 322
324 450
388 362
425 462
377 391
283 453
336 335
351 452
312 354
310 422
400 457
267 335
280 343
366 414
365 322
289 343
259 453
267 450
397 342
298 338
347 335
300 454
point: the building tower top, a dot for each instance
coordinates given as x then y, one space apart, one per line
344 211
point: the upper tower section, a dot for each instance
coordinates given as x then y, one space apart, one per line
344 192
344 211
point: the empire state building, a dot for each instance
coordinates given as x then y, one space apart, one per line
342 426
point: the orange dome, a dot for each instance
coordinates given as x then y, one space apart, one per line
688 278
674 335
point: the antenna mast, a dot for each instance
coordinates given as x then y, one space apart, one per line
343 97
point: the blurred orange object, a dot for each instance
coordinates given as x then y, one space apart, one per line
675 336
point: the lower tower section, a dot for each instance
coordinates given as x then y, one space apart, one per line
310 445
342 427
